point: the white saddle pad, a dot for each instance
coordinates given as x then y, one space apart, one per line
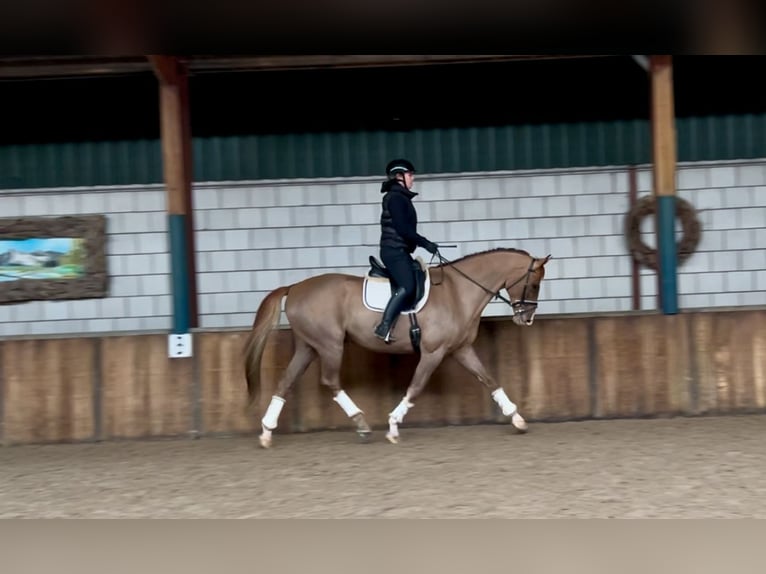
376 291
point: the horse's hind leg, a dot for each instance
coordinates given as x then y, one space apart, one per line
467 357
301 359
330 358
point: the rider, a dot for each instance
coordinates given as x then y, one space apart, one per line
398 239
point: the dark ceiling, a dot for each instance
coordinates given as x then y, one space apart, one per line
324 93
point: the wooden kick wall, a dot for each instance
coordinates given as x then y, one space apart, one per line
125 387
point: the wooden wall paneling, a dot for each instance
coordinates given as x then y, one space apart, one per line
48 390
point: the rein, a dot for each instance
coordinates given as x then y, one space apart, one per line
496 294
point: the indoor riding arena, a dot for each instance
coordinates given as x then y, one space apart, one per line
153 203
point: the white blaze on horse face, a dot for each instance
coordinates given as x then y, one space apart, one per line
345 402
271 417
524 317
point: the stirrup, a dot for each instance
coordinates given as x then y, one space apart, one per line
387 338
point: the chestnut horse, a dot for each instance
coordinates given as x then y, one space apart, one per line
326 309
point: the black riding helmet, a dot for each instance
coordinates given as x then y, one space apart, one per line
398 166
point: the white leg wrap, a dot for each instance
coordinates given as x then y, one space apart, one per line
269 420
401 409
347 404
505 403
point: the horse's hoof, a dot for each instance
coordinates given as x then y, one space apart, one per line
519 423
392 439
364 436
265 442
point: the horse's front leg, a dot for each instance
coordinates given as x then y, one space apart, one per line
467 357
426 366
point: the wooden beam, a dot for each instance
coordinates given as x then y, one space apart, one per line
664 157
168 69
70 66
663 125
177 169
188 198
172 80
295 62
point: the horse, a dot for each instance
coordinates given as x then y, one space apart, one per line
325 310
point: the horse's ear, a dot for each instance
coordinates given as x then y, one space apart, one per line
541 262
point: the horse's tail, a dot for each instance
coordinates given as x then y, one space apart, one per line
266 318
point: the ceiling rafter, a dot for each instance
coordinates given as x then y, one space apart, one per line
31 67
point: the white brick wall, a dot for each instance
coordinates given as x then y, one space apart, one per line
137 262
578 216
731 201
254 236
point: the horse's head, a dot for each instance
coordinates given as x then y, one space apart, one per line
523 291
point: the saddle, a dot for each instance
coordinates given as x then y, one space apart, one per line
377 269
377 291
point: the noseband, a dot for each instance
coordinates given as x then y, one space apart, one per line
523 303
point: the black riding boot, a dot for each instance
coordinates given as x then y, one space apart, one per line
391 314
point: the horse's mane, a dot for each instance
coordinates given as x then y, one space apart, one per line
495 250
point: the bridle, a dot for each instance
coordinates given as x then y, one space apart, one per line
519 306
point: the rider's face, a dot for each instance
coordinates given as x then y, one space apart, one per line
409 178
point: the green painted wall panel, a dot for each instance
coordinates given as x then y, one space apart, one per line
78 164
451 149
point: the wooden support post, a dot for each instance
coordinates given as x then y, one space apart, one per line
177 169
664 158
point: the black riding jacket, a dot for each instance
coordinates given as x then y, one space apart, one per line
398 220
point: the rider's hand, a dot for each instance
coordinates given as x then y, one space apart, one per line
432 247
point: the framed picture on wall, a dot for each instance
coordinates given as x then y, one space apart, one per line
49 258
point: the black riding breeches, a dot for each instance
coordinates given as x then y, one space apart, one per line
400 266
